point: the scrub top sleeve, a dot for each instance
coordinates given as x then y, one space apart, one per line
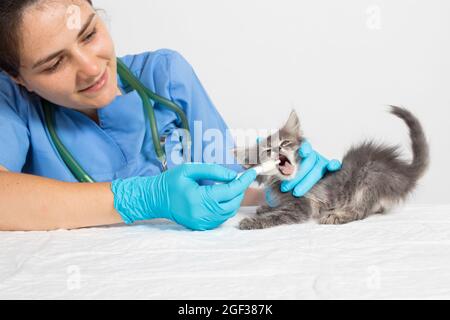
187 91
14 134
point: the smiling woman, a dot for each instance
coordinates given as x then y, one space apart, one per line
64 55
62 52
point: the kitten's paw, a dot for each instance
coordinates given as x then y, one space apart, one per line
249 224
331 218
263 209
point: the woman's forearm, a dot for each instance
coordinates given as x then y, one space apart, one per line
29 202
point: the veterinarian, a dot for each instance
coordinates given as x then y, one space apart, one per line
100 119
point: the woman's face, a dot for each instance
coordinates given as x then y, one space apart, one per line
79 50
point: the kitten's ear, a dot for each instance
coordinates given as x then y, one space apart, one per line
241 156
292 126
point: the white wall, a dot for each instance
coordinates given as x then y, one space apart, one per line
338 63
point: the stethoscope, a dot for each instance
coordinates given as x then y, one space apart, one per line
146 95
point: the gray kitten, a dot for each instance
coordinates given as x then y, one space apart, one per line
372 179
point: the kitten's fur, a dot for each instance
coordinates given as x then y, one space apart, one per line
371 180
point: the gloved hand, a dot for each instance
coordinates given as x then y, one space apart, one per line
269 197
176 195
313 168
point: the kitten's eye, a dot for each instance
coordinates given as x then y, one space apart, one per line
286 144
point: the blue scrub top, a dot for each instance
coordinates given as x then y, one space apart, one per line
120 145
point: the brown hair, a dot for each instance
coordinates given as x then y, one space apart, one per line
11 14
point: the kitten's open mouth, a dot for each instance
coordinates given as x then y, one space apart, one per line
285 166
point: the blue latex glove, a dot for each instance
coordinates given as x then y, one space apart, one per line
313 168
176 195
270 199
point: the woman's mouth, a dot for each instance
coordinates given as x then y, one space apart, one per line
285 166
100 84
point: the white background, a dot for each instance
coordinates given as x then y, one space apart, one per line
338 63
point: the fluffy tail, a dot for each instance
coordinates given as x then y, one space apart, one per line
419 144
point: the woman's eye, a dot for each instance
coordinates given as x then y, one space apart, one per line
54 67
91 35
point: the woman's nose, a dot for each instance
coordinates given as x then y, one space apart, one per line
89 67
